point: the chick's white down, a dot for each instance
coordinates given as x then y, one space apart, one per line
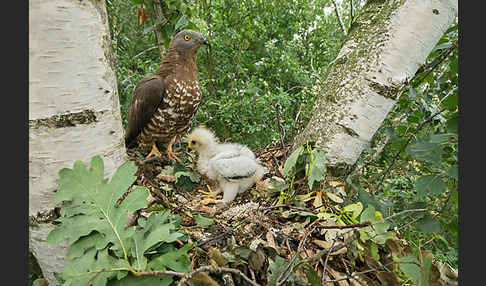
232 165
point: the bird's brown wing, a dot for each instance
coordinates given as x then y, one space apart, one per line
146 99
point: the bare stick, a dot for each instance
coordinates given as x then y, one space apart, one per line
327 258
290 267
339 17
281 131
350 13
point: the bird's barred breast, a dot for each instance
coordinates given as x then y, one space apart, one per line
175 114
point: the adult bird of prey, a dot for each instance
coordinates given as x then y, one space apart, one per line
163 105
232 165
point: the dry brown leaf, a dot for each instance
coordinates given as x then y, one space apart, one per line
217 257
141 15
271 240
396 246
388 278
337 275
362 280
335 198
166 178
326 245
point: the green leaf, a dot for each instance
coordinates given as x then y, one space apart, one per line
94 199
368 214
366 199
317 168
428 224
424 150
203 221
40 282
93 268
130 280
148 29
181 23
84 243
176 260
440 138
311 275
185 178
374 251
355 209
276 268
410 269
292 161
443 46
195 178
453 172
156 229
451 102
452 124
430 184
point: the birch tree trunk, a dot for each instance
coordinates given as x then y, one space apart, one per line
74 110
390 40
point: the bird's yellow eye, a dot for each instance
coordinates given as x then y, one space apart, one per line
187 37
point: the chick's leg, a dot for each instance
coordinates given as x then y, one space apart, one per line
230 191
154 152
212 196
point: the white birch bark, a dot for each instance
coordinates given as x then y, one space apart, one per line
390 40
74 109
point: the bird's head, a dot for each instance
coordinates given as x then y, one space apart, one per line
188 41
201 139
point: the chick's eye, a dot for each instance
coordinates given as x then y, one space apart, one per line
187 37
193 142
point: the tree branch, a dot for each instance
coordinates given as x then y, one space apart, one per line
345 32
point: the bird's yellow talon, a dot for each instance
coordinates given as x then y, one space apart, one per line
172 155
154 152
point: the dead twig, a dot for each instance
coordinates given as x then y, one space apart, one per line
281 131
290 267
339 18
325 261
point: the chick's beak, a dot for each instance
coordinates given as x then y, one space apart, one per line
190 146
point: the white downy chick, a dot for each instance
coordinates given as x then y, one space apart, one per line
232 165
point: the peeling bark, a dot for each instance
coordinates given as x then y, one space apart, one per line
389 41
74 110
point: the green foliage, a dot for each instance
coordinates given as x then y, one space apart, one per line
304 159
103 251
379 232
276 268
417 268
421 152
